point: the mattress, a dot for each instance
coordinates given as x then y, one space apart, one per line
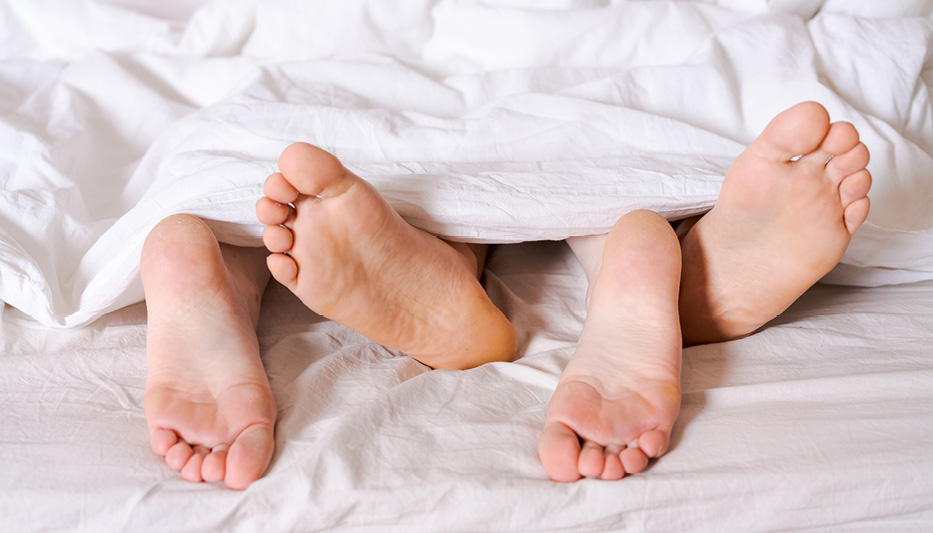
512 122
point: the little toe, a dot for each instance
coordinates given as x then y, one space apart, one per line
249 455
848 163
633 460
161 440
559 449
592 459
272 213
278 239
856 213
284 269
613 469
854 187
654 443
314 171
178 455
279 189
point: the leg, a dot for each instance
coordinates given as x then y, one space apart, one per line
349 256
209 406
620 393
781 223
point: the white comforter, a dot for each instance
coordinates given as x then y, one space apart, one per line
492 121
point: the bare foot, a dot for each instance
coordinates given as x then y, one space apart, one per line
353 259
781 223
617 400
210 410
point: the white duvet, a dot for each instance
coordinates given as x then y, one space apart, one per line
486 121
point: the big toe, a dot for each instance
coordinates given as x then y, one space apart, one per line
559 450
798 130
248 456
313 171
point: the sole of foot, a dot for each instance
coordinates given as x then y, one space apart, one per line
345 252
617 400
208 403
787 210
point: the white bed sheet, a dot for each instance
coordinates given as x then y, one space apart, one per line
116 114
822 421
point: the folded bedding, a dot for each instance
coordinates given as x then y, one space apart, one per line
480 121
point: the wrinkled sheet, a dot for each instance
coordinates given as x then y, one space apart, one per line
822 421
483 121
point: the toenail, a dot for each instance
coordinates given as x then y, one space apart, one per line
796 158
828 160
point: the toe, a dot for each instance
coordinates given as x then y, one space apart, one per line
848 163
178 455
272 213
161 440
278 239
854 187
213 467
278 189
284 269
192 469
559 449
633 460
798 130
314 171
856 213
839 152
613 469
249 455
654 443
841 137
592 459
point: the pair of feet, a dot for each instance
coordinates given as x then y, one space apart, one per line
781 223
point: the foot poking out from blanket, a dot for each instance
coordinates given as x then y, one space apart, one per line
616 402
786 213
342 249
788 207
210 410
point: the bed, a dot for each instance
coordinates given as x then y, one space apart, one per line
512 122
